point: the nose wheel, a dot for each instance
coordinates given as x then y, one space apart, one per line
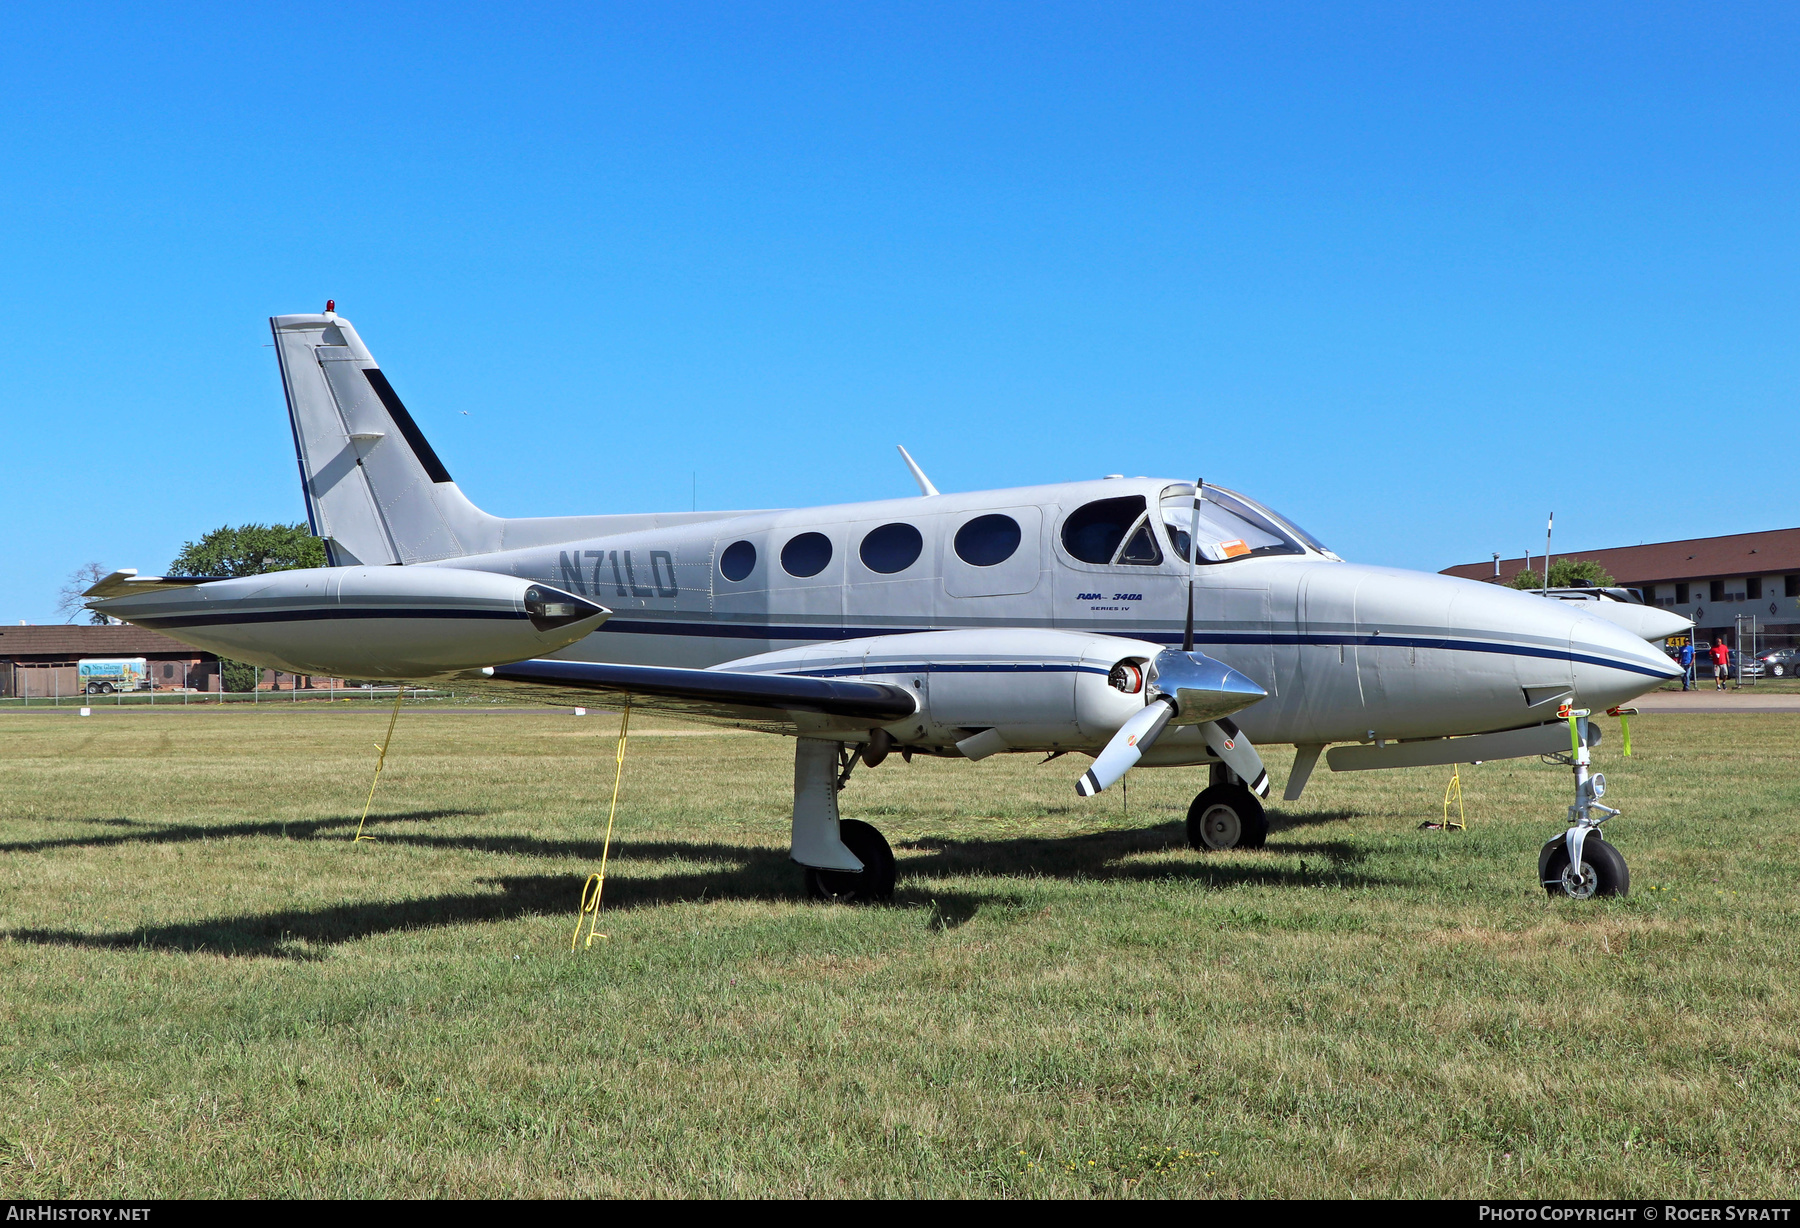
1602 871
1226 816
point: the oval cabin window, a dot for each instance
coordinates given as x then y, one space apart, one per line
738 561
891 548
806 555
987 540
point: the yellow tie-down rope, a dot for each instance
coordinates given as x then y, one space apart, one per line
1454 789
596 883
380 762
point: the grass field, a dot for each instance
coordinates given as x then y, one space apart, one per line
206 989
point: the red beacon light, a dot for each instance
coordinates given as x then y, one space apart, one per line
330 305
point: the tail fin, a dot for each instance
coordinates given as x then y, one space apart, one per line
375 490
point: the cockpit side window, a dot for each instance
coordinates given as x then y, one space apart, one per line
1092 533
1141 549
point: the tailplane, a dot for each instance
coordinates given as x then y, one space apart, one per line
375 490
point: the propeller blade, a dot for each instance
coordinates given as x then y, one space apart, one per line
1135 737
1229 744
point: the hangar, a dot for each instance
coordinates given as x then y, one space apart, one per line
40 660
1712 580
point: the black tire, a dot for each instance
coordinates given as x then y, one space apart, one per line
93 688
1610 875
1226 817
876 882
106 688
1778 669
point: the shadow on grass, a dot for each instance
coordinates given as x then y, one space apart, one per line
735 872
302 829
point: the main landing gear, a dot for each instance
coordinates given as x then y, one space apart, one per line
846 861
1226 815
1581 864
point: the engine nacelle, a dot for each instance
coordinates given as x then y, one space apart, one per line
366 622
1036 690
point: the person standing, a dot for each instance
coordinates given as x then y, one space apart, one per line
1721 655
1686 657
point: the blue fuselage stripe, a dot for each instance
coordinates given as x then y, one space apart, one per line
1201 638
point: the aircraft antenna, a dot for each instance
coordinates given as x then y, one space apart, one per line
1187 636
925 486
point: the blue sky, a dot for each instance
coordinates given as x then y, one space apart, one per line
1417 275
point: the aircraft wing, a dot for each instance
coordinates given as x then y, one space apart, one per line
773 703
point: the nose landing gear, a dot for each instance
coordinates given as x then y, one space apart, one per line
1581 864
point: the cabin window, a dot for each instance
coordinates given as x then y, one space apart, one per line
806 555
738 561
988 540
1092 533
891 548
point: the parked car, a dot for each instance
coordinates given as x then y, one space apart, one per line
1780 662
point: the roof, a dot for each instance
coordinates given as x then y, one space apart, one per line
89 641
1775 551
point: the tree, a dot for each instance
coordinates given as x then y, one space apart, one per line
69 599
249 550
1565 573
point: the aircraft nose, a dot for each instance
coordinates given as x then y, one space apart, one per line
1611 666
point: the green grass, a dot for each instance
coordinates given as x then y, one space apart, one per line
208 990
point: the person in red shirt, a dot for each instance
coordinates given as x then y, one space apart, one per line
1721 655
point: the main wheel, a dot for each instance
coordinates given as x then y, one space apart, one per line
1226 817
875 883
1602 872
93 688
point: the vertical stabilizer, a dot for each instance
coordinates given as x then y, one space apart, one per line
375 490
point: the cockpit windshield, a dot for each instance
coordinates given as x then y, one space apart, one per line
1231 527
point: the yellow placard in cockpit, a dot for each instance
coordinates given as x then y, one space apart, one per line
1232 549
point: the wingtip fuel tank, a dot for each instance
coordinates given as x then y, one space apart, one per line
367 622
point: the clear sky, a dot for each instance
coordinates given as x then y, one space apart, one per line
1416 275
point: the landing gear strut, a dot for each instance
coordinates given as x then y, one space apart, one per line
1581 864
1226 815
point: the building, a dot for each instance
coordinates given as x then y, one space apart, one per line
1712 580
40 660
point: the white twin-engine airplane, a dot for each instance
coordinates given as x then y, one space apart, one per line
1048 619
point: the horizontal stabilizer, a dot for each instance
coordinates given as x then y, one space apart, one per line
126 582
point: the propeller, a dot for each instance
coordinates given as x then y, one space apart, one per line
1185 688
